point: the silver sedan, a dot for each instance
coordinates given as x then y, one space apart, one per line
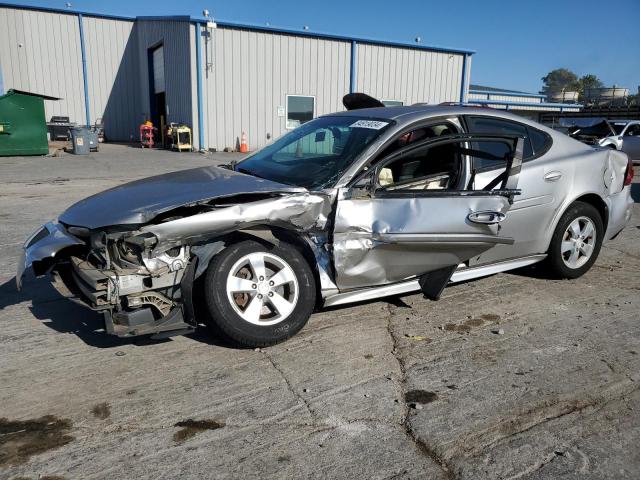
348 207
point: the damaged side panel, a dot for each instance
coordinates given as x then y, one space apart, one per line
385 240
300 212
616 167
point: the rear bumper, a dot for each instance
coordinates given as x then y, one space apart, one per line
620 210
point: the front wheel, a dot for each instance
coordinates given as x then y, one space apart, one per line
576 242
258 294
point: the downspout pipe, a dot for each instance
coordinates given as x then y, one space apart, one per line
84 71
352 77
463 84
199 85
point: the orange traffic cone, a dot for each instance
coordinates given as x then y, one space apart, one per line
243 143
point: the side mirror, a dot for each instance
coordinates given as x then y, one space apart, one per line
364 187
320 136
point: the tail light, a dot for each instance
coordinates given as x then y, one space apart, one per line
628 177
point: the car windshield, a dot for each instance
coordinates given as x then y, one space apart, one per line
618 127
315 154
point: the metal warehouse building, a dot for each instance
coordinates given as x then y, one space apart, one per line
220 79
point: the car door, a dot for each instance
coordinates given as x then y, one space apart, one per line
631 141
543 181
401 220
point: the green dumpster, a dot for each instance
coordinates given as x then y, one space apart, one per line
23 127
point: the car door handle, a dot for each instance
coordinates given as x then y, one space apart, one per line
552 176
486 217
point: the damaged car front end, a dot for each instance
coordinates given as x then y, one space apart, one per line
140 272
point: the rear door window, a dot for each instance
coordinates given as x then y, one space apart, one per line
540 142
495 126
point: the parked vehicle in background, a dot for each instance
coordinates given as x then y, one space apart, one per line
623 135
628 137
348 207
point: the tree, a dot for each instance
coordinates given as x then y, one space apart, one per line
588 81
560 79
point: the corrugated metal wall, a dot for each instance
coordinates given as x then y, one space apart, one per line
113 75
40 52
246 74
176 39
409 75
251 73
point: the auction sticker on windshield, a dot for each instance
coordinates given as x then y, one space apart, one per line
373 124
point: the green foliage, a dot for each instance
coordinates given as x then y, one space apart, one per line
564 79
588 81
560 79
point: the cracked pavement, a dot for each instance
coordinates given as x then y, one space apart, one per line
398 388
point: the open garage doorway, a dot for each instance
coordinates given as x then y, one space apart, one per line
157 100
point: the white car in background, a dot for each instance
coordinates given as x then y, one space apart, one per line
623 135
626 138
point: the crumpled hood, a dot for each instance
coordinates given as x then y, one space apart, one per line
140 201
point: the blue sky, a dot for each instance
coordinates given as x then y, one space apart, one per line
517 42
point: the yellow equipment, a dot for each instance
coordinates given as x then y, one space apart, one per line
179 137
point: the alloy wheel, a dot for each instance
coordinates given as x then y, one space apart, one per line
262 288
578 242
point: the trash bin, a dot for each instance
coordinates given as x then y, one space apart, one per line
80 138
93 140
23 128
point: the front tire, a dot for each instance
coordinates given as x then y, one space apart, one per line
576 242
259 294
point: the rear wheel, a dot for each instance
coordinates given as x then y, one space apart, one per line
258 295
576 242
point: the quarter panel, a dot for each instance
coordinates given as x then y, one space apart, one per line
535 208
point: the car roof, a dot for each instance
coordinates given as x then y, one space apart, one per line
623 120
410 113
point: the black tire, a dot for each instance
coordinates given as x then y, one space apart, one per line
555 259
225 321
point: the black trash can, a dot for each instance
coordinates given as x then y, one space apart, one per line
81 140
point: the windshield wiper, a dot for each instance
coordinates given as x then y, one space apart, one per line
230 166
249 172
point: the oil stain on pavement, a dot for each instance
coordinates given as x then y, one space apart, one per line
192 427
101 410
420 396
20 439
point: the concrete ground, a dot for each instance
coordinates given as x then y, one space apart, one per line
398 388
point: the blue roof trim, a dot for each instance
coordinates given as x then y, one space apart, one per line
506 93
333 36
169 18
525 104
69 12
249 26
